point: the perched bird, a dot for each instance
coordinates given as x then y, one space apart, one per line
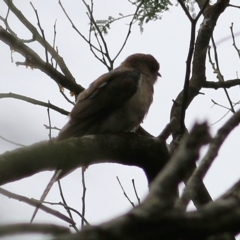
116 102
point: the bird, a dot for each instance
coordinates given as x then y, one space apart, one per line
116 102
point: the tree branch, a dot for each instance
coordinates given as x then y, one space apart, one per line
225 84
41 40
36 204
11 229
33 60
148 153
208 159
34 101
211 15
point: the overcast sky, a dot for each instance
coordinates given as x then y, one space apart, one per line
167 40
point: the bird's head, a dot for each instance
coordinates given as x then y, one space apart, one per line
144 63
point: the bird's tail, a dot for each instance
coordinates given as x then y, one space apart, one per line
54 178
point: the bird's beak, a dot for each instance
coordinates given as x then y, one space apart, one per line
159 74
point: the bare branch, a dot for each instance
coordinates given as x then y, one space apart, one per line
69 208
233 38
49 122
75 28
33 60
188 62
42 31
66 206
34 101
198 78
225 84
135 191
235 6
35 203
7 140
124 193
165 185
40 39
208 159
219 75
83 196
129 29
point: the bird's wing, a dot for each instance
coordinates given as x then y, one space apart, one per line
103 97
107 93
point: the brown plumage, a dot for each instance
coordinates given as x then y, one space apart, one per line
116 102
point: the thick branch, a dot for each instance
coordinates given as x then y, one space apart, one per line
12 229
148 153
158 222
220 217
211 15
165 185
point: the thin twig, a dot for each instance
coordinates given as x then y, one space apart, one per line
219 75
83 196
125 192
33 101
129 30
234 43
229 111
135 191
75 28
220 105
53 128
54 41
65 205
7 140
49 121
93 29
35 203
235 6
71 209
106 54
42 31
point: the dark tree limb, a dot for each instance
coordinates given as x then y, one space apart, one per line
198 78
211 15
208 159
184 103
25 228
220 217
158 220
148 153
166 183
